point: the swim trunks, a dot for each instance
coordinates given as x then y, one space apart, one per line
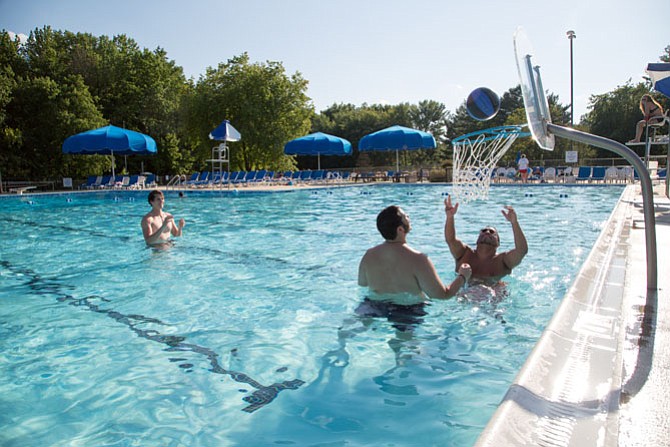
403 317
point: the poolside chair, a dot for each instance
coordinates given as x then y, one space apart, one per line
193 179
612 174
317 176
549 174
583 174
106 181
260 176
501 173
150 181
511 174
537 174
123 184
92 182
203 180
598 174
239 178
626 174
133 182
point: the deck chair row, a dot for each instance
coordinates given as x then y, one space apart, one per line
119 182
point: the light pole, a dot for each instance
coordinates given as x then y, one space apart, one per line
571 35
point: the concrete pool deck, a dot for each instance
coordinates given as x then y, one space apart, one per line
600 373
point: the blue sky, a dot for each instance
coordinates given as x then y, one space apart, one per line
390 51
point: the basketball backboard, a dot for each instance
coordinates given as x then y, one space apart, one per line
534 99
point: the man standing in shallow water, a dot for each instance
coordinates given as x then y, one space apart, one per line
393 267
157 225
485 261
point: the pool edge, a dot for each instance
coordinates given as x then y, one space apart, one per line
569 390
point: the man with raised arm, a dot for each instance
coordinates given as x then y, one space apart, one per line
485 261
157 225
399 274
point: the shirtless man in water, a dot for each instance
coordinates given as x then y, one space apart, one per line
484 259
157 225
393 267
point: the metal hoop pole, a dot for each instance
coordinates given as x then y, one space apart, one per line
645 183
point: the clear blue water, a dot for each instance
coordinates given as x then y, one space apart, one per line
243 333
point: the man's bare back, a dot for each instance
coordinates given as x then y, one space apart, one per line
393 267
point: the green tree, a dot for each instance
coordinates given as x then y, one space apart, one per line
266 105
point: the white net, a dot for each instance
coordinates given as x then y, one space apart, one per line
475 158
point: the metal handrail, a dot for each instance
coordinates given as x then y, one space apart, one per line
645 183
176 180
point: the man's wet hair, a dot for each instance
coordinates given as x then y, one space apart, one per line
388 221
153 194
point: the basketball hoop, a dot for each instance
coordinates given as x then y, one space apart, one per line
475 157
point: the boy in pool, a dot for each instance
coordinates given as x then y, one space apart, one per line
157 225
484 259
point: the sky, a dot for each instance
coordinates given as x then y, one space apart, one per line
383 51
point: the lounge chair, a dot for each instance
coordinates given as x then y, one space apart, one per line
93 181
626 174
150 181
549 174
133 182
598 174
106 182
612 174
583 174
317 176
193 179
203 180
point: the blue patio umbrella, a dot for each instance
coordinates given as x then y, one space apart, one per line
318 144
397 138
660 77
110 140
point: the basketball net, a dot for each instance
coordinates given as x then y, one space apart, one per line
475 158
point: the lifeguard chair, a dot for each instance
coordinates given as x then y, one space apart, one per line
660 78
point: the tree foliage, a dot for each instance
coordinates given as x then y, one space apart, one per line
59 83
267 106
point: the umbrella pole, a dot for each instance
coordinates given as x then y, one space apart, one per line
113 175
397 161
318 161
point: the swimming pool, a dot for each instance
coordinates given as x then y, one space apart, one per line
243 333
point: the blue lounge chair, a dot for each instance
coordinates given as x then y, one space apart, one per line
93 181
598 174
106 181
240 178
584 174
150 181
193 179
133 182
203 180
317 176
258 177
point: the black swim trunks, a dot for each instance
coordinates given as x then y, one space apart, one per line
403 317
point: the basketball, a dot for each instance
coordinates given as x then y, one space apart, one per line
482 104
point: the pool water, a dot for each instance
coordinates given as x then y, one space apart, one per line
244 332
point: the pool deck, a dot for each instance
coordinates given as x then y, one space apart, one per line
600 373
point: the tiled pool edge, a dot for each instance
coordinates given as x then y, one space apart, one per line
567 393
